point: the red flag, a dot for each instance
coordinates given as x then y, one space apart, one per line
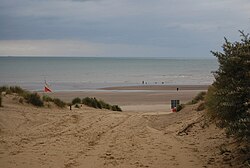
46 88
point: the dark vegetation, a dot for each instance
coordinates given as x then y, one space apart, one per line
227 101
180 107
59 102
76 100
228 98
31 98
36 100
93 102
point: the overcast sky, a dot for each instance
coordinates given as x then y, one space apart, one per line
120 28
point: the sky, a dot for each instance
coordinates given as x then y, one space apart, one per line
120 28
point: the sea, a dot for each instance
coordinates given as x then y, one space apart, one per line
88 73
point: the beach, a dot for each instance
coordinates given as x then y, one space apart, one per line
143 98
95 138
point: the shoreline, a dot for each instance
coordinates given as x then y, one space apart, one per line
158 87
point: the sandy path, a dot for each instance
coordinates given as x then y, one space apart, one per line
32 137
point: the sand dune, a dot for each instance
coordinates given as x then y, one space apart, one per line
91 138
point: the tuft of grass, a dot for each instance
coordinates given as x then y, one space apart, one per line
46 98
35 99
14 89
180 107
199 97
32 98
93 102
116 108
4 88
59 103
76 100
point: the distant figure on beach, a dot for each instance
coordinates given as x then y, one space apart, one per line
143 82
177 89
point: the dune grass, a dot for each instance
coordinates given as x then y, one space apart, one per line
35 99
93 102
31 98
59 103
199 97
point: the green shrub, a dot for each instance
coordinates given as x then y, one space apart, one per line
180 107
59 103
86 101
93 102
116 108
34 98
14 89
4 88
18 90
228 98
105 105
46 98
76 100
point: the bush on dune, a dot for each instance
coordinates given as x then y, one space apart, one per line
59 103
46 98
93 102
34 98
4 88
76 100
116 108
228 99
14 89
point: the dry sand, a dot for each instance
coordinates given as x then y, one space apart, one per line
50 137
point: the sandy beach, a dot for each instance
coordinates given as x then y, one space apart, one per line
138 98
142 135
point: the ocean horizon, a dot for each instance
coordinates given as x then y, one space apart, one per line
84 73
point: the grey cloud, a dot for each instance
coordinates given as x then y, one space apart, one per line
182 25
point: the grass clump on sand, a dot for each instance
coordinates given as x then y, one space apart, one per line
14 89
46 98
35 99
76 100
93 102
32 98
59 103
180 107
199 97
